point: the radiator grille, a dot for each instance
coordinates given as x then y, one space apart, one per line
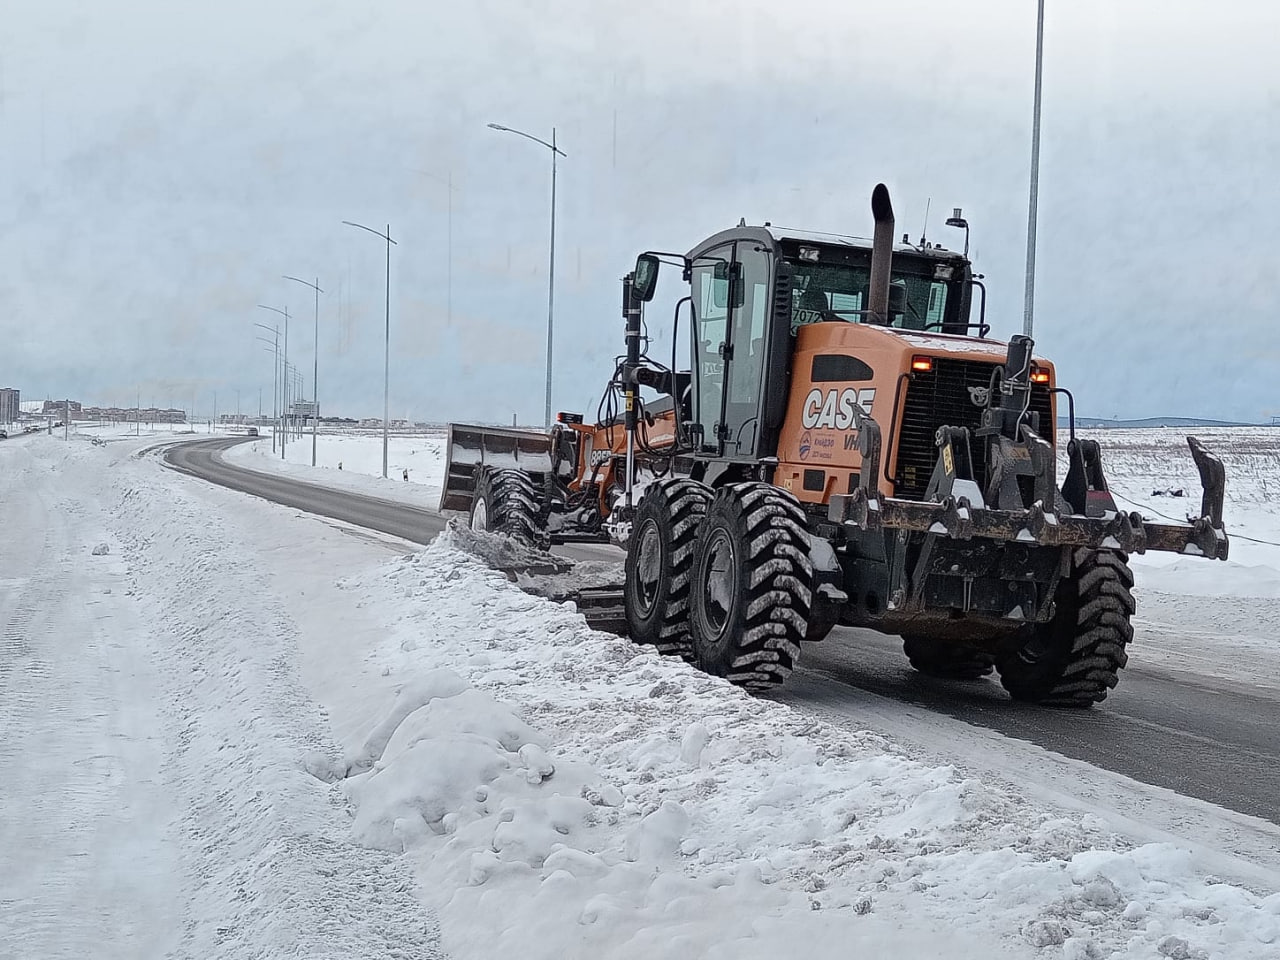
941 397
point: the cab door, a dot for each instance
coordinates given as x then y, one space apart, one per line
731 295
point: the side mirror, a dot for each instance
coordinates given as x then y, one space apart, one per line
646 277
897 299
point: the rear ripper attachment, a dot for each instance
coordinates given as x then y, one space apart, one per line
1019 500
998 566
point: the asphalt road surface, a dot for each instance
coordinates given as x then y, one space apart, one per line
204 459
1200 736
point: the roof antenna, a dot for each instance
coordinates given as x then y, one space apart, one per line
925 228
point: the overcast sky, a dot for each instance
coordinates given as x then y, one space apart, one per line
162 164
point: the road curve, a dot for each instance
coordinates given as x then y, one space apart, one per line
1200 736
203 459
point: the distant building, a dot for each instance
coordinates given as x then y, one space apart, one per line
10 404
128 414
56 408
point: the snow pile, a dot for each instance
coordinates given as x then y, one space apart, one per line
269 866
643 809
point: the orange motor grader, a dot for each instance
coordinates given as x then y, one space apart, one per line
845 446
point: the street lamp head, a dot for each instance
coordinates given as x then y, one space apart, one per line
528 136
307 283
377 233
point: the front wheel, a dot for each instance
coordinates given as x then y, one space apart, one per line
752 586
506 501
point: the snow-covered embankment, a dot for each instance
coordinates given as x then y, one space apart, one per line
603 801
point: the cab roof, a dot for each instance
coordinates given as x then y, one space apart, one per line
772 237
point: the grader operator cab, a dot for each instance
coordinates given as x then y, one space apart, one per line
846 446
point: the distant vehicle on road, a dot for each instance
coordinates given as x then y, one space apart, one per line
4 435
253 431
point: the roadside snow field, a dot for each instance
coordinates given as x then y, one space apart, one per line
361 459
244 732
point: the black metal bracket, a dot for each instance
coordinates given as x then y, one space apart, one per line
1213 478
1009 460
955 462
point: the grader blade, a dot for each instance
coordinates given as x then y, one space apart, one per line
471 446
594 586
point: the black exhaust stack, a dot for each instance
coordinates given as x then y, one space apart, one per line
881 256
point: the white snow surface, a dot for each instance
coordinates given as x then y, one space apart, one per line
361 459
245 733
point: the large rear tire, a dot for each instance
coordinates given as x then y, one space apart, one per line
1075 659
660 564
752 586
506 501
946 659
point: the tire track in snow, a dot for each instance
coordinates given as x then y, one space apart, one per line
86 873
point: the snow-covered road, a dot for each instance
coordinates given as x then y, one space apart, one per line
82 752
154 801
341 745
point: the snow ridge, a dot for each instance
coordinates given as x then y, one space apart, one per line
272 869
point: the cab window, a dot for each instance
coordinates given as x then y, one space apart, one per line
825 291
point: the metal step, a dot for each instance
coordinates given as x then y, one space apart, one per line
602 607
595 587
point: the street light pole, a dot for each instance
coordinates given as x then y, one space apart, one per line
1028 304
386 359
275 381
315 368
283 387
551 266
